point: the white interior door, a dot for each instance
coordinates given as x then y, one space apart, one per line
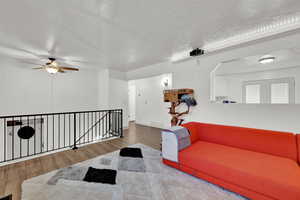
132 99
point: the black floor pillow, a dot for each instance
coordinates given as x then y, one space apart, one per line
131 152
7 198
107 176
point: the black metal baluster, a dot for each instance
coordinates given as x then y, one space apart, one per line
119 133
34 125
107 124
47 133
121 123
79 124
75 147
13 139
27 140
111 123
4 121
69 129
99 127
120 119
88 126
95 125
58 127
102 122
119 130
115 122
64 130
92 126
53 130
41 122
20 138
84 116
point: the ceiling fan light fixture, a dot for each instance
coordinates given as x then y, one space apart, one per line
266 59
54 63
52 70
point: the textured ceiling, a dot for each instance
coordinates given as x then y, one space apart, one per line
125 35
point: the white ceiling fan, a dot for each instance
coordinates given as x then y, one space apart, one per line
48 61
54 67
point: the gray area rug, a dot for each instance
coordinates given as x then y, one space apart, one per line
146 179
131 164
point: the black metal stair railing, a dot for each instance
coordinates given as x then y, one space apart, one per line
22 136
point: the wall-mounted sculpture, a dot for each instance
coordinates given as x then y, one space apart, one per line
177 97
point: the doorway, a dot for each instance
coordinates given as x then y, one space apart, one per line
132 100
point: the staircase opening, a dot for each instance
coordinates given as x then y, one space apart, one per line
23 136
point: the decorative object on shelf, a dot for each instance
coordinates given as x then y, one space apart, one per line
176 97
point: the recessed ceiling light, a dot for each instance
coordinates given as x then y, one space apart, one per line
266 59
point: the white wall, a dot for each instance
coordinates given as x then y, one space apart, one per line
118 94
27 91
24 90
150 107
103 89
196 75
131 100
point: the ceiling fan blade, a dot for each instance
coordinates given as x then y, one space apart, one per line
83 61
61 71
51 46
232 60
69 68
38 68
7 47
16 49
28 62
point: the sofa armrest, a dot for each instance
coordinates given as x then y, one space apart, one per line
173 140
169 146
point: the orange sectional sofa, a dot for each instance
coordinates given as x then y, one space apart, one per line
258 164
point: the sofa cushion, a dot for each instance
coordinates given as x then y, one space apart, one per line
264 141
272 176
